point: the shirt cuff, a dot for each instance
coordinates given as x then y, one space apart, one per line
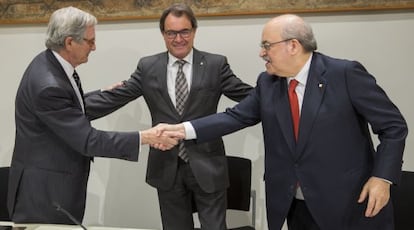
389 182
189 131
139 142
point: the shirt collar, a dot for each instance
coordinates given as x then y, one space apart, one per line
302 76
67 67
188 58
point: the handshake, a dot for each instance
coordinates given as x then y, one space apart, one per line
163 136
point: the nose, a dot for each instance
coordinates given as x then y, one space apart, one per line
178 37
262 52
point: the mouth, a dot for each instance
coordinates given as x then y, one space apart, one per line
267 60
180 44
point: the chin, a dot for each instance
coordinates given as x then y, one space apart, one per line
269 70
180 55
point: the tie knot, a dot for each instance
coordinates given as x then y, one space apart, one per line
75 75
181 63
292 84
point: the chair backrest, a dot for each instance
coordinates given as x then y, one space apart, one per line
4 180
402 196
239 194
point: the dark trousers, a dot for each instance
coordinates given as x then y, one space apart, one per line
176 204
299 217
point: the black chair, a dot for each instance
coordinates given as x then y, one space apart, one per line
4 214
402 196
239 194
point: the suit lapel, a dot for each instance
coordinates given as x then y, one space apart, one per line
62 74
315 90
161 74
199 62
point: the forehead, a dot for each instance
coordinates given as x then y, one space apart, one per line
177 23
271 32
90 32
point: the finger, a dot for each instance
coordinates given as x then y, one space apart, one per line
156 146
173 140
174 134
377 209
379 205
363 195
162 147
157 130
370 207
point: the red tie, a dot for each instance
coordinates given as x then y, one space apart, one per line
294 106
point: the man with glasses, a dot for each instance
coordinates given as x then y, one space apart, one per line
181 84
322 171
55 141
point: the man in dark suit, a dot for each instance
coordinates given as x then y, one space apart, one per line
321 172
54 139
201 174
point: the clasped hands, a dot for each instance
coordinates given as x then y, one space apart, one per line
163 136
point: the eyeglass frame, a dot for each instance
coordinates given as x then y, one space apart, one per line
267 45
184 33
90 42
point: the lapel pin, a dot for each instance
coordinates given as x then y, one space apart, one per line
320 85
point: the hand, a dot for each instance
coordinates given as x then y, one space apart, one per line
378 192
163 129
168 129
116 85
163 141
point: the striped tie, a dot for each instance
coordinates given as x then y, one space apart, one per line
78 83
181 95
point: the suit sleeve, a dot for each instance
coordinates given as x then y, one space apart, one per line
102 103
246 113
232 87
56 109
385 119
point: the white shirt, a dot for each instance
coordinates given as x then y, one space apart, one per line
172 68
68 68
302 78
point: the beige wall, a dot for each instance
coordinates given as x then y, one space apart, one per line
118 194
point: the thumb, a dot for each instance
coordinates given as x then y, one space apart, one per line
363 195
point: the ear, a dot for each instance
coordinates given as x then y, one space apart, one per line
68 42
295 46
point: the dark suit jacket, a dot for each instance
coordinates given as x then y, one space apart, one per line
54 145
334 155
212 77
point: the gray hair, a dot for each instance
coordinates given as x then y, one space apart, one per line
67 22
302 31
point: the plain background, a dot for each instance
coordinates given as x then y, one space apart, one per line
117 193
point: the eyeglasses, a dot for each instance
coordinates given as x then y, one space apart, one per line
185 33
267 45
90 42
